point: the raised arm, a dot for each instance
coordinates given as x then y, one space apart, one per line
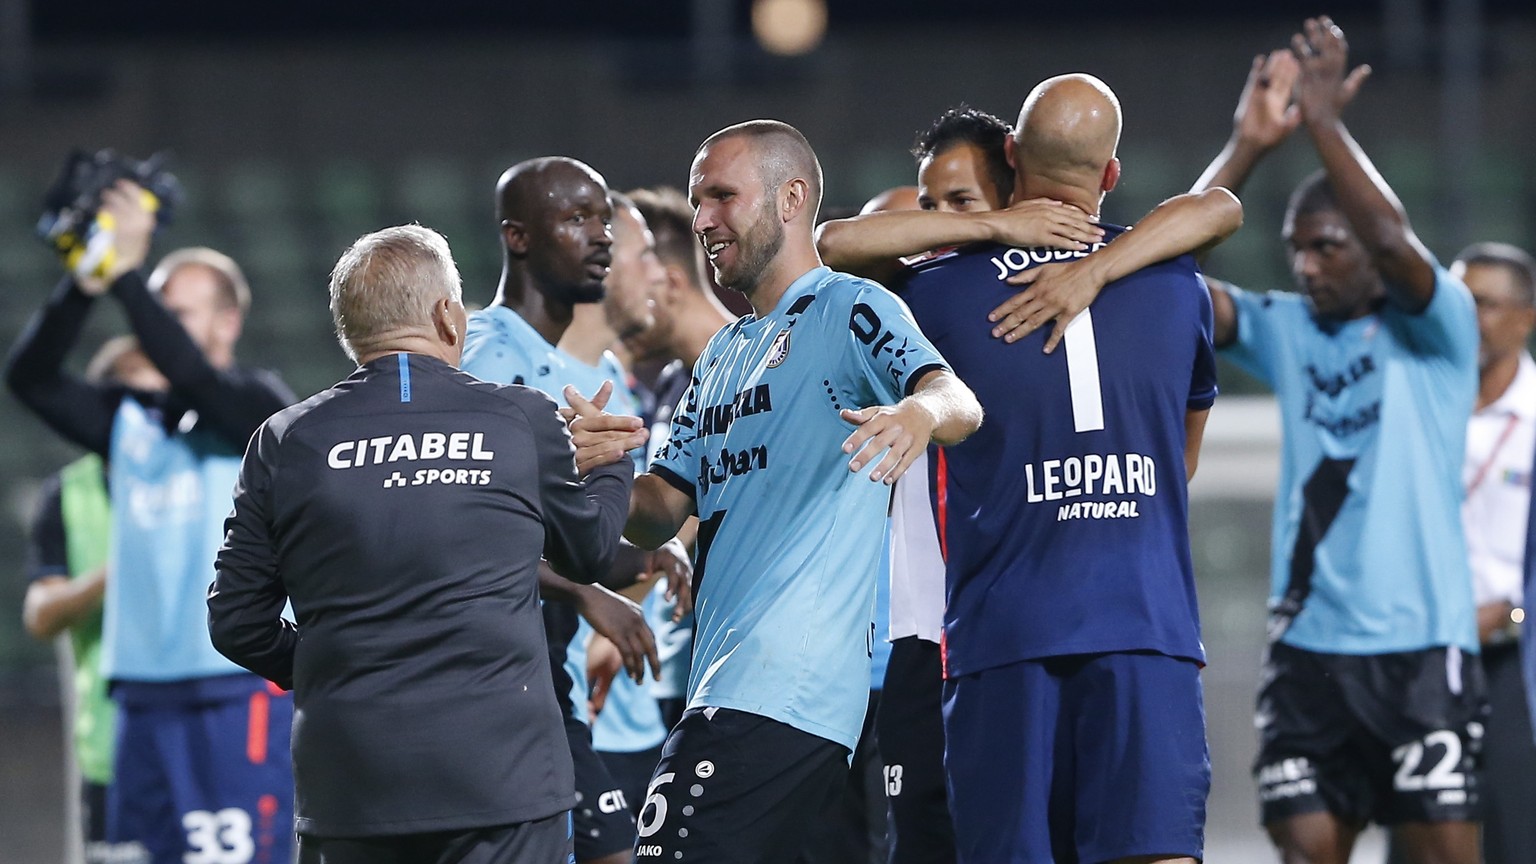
1194 222
1264 118
78 410
872 244
233 401
1367 201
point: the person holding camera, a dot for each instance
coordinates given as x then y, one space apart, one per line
202 760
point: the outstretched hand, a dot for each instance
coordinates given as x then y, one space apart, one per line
1323 88
1051 291
620 621
900 432
600 438
1265 114
672 562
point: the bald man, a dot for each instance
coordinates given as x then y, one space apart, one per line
1072 707
790 526
555 224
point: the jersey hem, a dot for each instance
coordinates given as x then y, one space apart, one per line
543 809
836 736
958 668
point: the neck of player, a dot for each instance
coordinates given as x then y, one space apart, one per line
543 313
795 259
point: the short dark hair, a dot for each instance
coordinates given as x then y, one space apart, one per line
1512 258
1314 195
963 124
670 218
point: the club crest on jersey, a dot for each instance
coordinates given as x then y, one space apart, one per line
779 350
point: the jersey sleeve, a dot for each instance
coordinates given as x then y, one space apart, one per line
47 551
1202 380
245 602
673 460
1447 327
1261 319
887 354
582 519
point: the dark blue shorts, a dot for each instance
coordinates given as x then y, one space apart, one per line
203 771
1080 758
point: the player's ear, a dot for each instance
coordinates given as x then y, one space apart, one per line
1111 175
792 198
514 235
1011 152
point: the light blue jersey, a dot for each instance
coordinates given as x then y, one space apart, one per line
170 495
503 348
1367 552
789 538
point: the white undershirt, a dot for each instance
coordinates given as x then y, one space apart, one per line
917 564
1494 513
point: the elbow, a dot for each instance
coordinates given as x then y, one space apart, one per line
1226 211
827 241
39 625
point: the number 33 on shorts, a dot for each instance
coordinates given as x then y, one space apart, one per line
223 837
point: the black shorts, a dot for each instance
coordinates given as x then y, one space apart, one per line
603 823
544 841
910 728
632 771
734 787
1387 738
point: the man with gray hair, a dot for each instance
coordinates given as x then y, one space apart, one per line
426 727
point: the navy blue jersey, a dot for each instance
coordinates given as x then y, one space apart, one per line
1066 515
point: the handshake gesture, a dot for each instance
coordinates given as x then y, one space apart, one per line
600 438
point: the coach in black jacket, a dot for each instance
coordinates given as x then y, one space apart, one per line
403 512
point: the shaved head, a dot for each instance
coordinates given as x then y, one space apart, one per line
1068 130
899 198
526 188
781 153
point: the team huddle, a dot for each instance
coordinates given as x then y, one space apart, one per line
490 600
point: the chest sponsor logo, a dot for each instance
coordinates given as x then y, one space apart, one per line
716 419
1334 403
1110 474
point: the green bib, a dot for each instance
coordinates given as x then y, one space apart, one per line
87 527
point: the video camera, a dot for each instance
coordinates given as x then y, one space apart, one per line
72 221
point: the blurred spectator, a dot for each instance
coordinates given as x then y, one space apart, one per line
201 768
1501 437
67 576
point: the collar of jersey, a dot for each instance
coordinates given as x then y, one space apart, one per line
802 286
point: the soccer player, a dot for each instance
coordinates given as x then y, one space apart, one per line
790 527
428 729
554 221
201 766
963 168
1368 708
627 730
1074 725
1501 438
686 315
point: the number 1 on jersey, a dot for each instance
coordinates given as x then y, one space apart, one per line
1083 373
